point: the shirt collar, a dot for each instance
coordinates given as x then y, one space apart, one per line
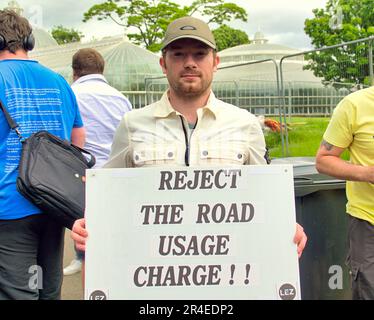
163 108
90 77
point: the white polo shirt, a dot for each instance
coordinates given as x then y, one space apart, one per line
102 108
158 135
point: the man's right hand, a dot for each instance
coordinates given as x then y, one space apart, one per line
79 234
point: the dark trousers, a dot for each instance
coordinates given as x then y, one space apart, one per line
360 259
31 257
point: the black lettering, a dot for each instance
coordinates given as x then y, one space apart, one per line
154 274
213 275
206 175
148 209
251 213
179 243
166 177
161 214
192 184
136 276
179 183
176 210
233 213
192 246
195 276
161 248
234 173
203 210
222 241
204 246
170 276
216 180
218 213
184 273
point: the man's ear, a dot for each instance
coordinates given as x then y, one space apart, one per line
163 65
216 63
75 76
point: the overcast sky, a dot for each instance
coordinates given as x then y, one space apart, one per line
282 21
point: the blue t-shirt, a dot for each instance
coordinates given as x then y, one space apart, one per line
38 99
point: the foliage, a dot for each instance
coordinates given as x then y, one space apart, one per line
304 137
227 37
341 21
64 35
217 10
150 18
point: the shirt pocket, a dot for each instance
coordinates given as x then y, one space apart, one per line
223 154
161 155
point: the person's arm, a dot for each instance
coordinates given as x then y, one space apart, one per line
328 161
78 136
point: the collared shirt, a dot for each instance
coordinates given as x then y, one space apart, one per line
102 108
157 135
352 127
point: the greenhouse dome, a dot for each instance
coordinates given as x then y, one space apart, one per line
258 49
43 39
128 65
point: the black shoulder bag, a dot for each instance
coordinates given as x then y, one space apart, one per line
51 174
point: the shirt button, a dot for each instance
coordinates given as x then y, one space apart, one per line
205 153
240 156
170 154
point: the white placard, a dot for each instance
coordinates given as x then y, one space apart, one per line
191 233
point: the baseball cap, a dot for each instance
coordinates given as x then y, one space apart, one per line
189 27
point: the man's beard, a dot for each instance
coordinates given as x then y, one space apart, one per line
184 89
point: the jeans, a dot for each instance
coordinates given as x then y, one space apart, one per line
31 258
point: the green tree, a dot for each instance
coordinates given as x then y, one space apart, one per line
217 11
227 37
341 21
64 35
150 18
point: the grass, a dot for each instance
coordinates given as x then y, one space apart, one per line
304 137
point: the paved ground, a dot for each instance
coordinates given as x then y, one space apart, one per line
72 285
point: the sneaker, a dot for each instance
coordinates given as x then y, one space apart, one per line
74 267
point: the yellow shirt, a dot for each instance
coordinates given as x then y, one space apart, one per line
157 135
352 127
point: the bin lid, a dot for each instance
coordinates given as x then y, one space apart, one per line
306 177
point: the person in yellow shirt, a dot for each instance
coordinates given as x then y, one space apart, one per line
352 128
188 126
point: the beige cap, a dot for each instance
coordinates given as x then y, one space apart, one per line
189 27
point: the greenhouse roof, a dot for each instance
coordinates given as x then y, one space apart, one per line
126 64
43 39
261 47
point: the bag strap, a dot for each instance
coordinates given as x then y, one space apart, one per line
12 123
92 161
14 126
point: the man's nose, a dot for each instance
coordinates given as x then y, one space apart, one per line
189 61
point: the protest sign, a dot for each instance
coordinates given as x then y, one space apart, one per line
191 233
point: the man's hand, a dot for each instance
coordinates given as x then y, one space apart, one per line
79 234
300 239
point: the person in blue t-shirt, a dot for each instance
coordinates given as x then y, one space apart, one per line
31 244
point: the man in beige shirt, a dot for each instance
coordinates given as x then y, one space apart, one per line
188 126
